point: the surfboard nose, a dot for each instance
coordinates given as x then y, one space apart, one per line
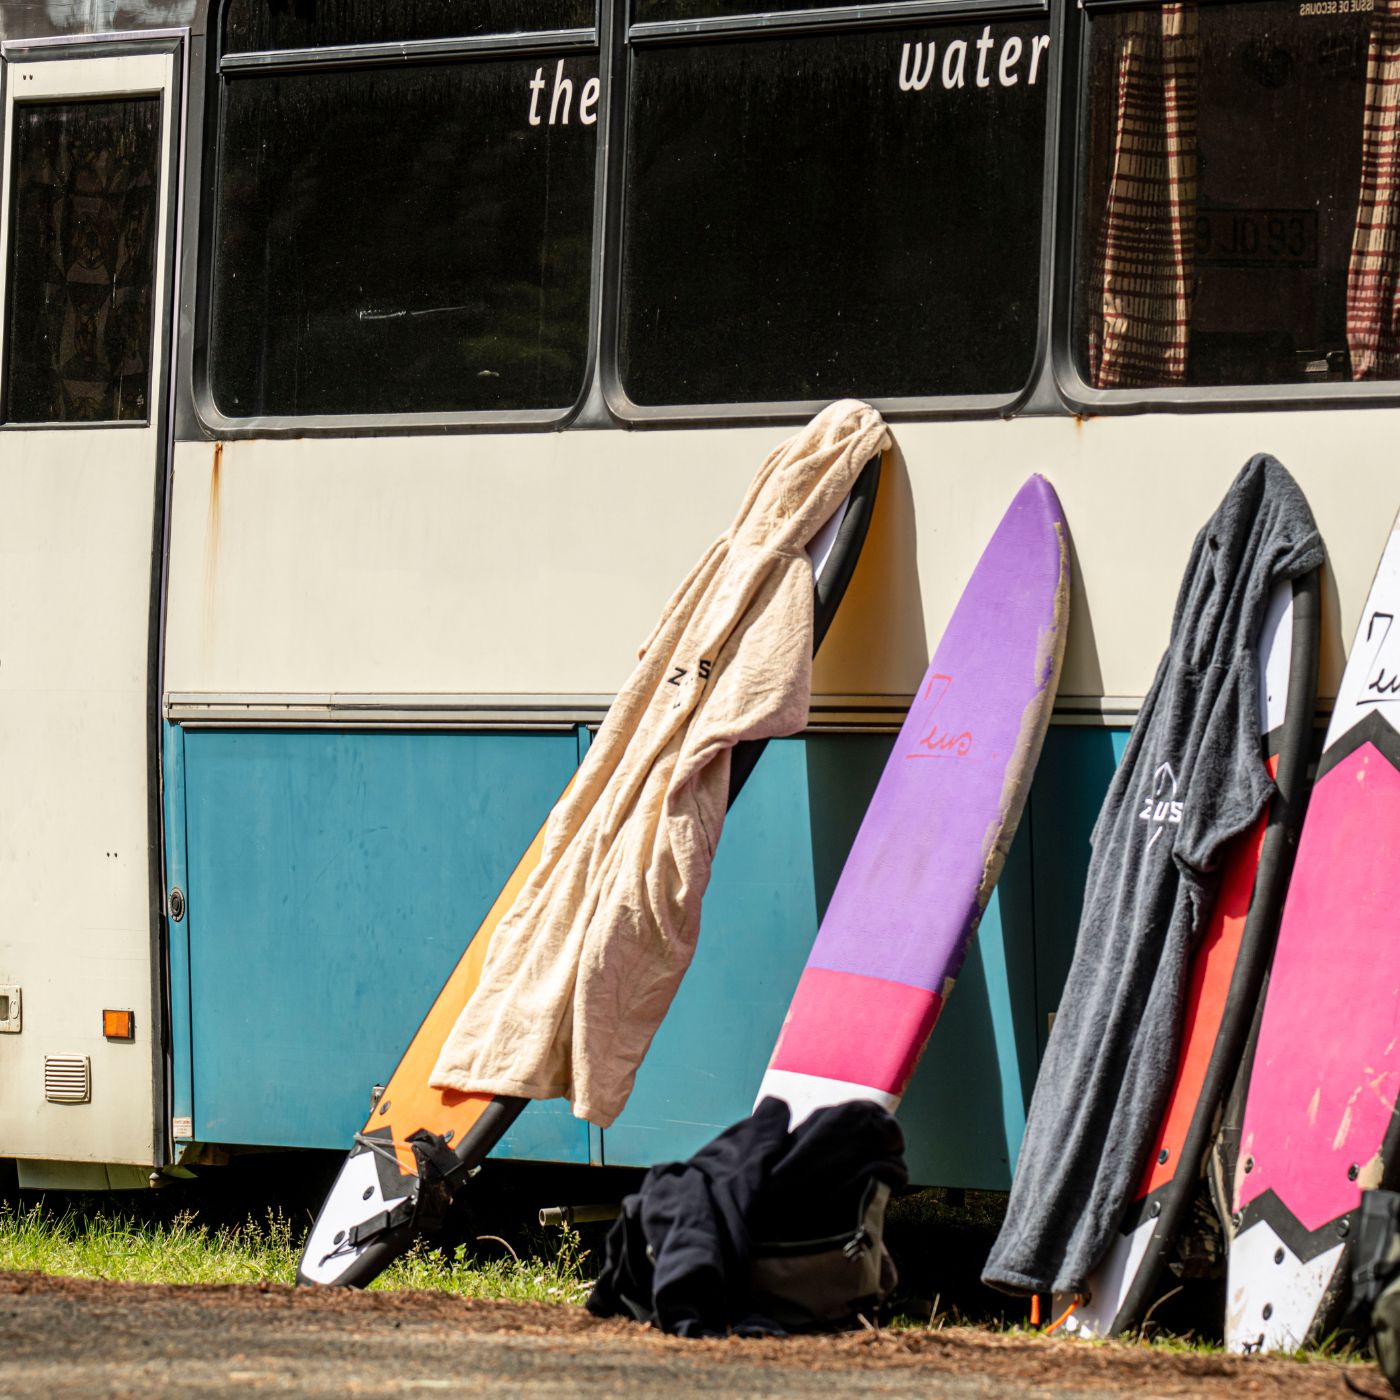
1038 493
1029 548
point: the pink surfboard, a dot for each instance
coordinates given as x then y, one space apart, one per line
1319 1123
937 830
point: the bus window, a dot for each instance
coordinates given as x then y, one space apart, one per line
294 24
1237 222
412 238
826 213
78 326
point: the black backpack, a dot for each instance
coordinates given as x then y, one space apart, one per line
762 1230
1375 1278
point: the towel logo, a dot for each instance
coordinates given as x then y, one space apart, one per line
1161 810
679 673
939 742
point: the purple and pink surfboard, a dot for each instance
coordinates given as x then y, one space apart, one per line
1319 1119
937 830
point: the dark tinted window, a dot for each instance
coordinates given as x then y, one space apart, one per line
405 240
1239 211
303 24
85 180
836 213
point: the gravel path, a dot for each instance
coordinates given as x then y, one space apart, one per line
61 1337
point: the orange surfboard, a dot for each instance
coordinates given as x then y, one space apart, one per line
380 1202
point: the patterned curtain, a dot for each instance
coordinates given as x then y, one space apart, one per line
1140 293
1373 298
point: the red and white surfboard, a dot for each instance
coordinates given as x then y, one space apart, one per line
1226 976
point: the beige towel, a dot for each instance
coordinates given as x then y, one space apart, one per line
584 965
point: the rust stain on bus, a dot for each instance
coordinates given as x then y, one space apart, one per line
211 538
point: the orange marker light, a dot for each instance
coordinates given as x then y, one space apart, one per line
119 1025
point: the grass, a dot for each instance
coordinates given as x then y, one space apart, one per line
107 1243
110 1245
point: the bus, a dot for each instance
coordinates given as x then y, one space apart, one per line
371 372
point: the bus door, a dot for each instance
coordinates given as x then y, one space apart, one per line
86 237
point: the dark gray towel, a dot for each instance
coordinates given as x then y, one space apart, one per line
1192 777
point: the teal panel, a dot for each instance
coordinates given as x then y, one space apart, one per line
842 771
780 855
758 923
333 881
1075 771
548 1132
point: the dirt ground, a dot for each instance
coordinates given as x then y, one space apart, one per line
68 1337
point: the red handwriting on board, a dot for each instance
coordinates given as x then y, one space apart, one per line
939 742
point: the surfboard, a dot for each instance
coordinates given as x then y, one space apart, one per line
1227 973
378 1203
1318 1123
935 836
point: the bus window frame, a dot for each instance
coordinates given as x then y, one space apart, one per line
62 47
602 403
791 23
209 417
1055 387
1079 396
